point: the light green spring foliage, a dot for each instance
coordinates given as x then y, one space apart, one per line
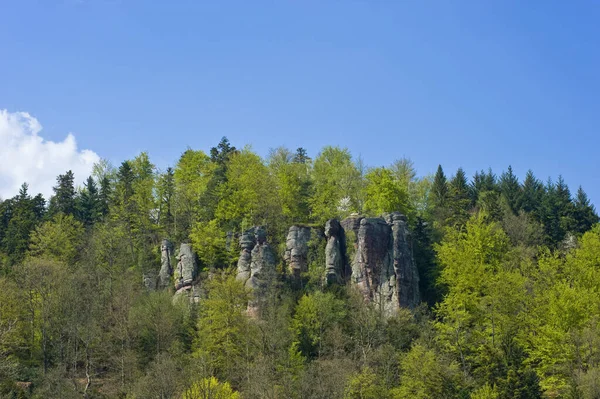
192 175
210 388
223 326
385 193
58 239
485 392
337 183
425 375
365 385
292 184
564 323
248 198
209 241
316 314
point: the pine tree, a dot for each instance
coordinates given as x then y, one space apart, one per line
64 200
459 201
584 212
301 156
439 190
89 206
533 194
511 189
166 192
104 196
25 214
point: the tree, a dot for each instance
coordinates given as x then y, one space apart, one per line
384 193
64 195
301 156
511 189
315 315
25 213
425 374
59 239
458 201
292 177
223 327
584 212
533 194
337 183
89 206
248 198
210 388
192 176
165 188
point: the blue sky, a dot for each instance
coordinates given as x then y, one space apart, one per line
475 84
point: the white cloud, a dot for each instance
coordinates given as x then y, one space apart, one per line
26 157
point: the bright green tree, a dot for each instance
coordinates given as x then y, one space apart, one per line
385 193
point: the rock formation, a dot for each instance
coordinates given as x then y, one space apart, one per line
256 264
296 250
405 268
187 268
166 271
335 253
257 259
382 264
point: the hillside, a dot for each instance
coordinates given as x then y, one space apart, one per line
291 277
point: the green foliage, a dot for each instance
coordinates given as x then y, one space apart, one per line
384 193
223 326
336 181
59 238
316 314
365 385
210 388
209 241
509 272
424 374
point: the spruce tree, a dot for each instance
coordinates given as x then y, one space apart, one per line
511 189
584 212
533 194
459 201
64 200
89 206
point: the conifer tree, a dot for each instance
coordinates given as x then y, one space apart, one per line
64 200
459 201
533 193
584 212
511 189
89 206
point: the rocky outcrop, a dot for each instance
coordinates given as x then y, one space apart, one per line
382 264
405 268
335 253
187 267
296 250
256 265
257 259
166 271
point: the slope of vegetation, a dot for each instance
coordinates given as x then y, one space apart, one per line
510 278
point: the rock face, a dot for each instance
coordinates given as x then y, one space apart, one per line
405 268
255 265
257 259
166 271
383 268
335 253
296 250
187 268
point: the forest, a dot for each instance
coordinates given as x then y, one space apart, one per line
509 282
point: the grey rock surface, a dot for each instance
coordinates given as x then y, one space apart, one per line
166 270
335 256
187 268
296 250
